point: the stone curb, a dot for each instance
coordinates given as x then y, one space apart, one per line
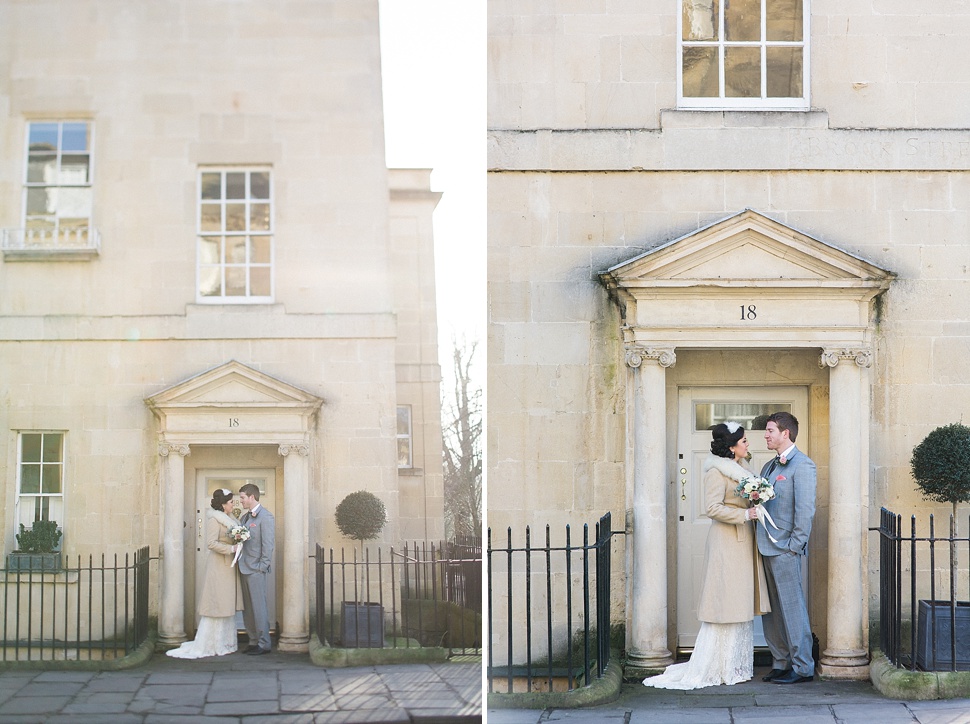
601 691
140 656
908 685
336 658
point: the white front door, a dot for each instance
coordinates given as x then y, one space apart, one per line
207 482
699 409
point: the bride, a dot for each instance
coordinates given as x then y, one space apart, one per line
221 596
734 589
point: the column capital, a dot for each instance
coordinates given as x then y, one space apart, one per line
166 448
832 356
300 448
636 354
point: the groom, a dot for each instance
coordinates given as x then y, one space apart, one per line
787 629
254 567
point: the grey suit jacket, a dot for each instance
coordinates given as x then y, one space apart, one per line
257 552
792 508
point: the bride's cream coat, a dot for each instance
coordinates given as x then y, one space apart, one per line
221 592
734 588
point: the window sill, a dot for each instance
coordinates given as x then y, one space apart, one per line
720 118
411 472
50 254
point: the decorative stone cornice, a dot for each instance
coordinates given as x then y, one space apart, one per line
301 449
166 448
636 354
831 357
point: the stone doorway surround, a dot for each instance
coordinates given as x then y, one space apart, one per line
235 405
747 281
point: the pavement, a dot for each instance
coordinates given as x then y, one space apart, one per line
754 702
277 688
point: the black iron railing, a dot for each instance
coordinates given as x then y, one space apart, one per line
573 579
94 610
922 624
417 595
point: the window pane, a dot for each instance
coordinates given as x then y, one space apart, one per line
30 448
210 249
784 20
210 281
235 281
235 185
41 168
212 186
700 73
259 249
30 479
41 201
751 416
259 185
74 202
403 420
259 217
51 482
74 169
235 217
742 20
259 281
52 448
74 137
211 217
742 72
784 72
43 137
700 19
404 452
236 250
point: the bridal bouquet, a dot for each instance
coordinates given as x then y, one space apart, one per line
758 491
239 534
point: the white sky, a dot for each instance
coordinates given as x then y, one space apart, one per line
433 65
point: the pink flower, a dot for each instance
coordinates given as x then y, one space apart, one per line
755 496
779 478
783 460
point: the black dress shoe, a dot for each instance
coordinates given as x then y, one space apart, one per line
257 651
792 678
249 649
774 674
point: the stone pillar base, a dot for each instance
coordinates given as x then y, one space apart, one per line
170 641
844 665
646 664
294 644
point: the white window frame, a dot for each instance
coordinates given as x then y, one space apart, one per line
88 233
200 234
409 436
763 103
24 514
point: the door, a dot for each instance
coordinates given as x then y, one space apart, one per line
207 482
699 409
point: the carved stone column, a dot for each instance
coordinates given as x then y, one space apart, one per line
647 630
171 615
845 655
295 620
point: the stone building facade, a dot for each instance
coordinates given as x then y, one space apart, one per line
209 276
701 211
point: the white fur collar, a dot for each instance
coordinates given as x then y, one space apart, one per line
225 519
726 467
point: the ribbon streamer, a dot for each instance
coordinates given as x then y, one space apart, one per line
239 552
762 516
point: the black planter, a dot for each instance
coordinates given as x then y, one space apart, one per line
924 637
362 625
33 562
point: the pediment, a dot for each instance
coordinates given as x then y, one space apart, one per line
236 386
747 250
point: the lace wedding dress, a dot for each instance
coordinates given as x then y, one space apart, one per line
723 654
215 637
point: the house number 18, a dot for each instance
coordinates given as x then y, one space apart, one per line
748 312
233 422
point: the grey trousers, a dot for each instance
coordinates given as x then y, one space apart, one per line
255 611
787 629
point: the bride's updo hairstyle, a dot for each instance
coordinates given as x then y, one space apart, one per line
726 436
219 498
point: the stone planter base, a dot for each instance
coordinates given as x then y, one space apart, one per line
34 562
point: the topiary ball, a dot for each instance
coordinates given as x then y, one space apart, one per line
941 464
361 515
